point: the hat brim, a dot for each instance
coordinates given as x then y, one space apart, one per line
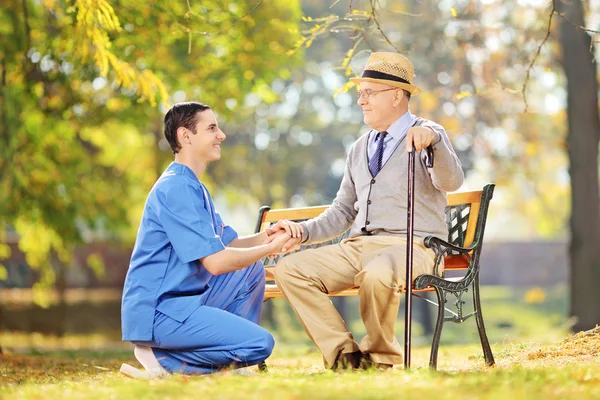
412 89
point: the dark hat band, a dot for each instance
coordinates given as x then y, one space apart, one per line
382 75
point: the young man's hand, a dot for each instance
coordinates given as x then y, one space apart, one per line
283 242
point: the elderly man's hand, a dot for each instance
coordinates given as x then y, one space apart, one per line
293 229
421 137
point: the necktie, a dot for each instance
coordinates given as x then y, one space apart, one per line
375 162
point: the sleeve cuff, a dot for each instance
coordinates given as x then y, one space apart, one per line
305 234
437 134
214 246
229 235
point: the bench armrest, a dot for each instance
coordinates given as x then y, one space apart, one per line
437 244
442 247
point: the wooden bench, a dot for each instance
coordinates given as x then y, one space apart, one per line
466 216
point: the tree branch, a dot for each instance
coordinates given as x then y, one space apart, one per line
232 22
531 64
524 89
4 118
374 16
583 28
364 36
27 27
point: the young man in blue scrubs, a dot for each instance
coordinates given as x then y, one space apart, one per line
194 289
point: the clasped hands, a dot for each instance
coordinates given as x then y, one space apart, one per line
285 236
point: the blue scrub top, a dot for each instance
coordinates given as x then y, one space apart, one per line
179 226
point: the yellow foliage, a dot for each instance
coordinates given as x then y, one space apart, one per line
429 101
344 89
38 89
42 297
277 192
4 251
276 47
535 295
114 104
36 241
531 149
95 20
96 264
349 55
451 124
285 74
3 273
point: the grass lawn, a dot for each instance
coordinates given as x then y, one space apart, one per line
565 370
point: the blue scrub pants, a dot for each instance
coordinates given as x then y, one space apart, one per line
222 333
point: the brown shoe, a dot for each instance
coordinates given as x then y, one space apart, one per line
347 361
367 363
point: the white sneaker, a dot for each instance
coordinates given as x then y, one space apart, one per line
133 372
238 371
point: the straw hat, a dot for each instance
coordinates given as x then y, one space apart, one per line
391 69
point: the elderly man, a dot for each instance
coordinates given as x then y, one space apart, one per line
372 202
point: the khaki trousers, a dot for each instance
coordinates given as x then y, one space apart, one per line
377 264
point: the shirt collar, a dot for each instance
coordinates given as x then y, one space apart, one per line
399 127
183 170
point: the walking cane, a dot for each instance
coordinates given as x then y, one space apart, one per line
409 249
409 256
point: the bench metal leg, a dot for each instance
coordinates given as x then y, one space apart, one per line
485 344
437 333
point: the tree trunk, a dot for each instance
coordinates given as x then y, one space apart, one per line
61 288
1 327
582 141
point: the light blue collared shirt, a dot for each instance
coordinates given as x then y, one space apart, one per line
179 226
396 133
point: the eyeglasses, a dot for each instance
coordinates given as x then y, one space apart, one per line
368 92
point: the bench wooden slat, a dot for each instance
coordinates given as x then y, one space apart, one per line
472 198
458 262
472 224
294 213
455 199
270 274
273 292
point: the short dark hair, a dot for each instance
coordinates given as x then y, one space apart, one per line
406 93
182 115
